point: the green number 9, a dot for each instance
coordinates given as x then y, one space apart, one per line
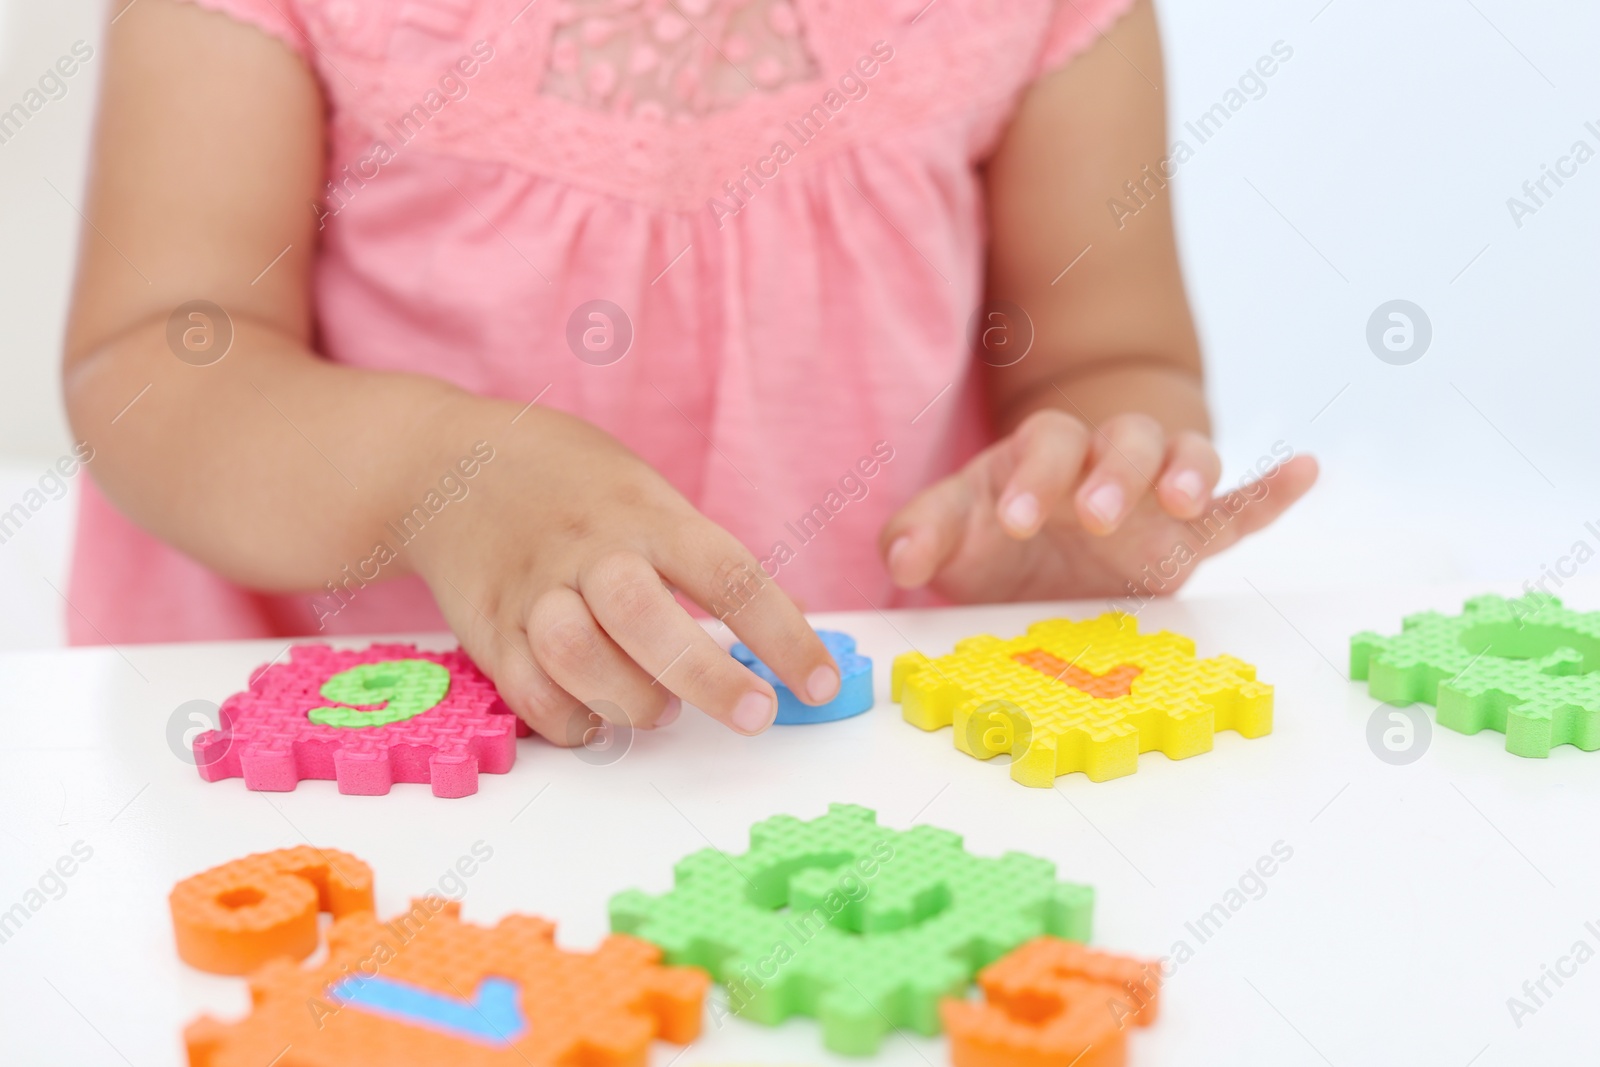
404 687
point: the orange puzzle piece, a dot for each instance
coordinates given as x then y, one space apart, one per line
1114 683
233 918
426 989
1052 1003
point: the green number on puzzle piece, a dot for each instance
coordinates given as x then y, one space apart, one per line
405 688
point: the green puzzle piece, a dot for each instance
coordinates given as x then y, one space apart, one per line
863 927
1526 667
402 689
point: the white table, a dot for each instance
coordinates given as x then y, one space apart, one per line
1417 900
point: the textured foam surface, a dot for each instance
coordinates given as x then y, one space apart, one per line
368 718
426 989
1527 667
1052 1003
1081 696
855 683
861 926
233 918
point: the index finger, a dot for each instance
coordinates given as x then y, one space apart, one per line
716 572
626 596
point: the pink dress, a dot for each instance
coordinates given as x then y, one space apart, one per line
745 237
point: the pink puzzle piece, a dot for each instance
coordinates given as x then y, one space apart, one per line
367 719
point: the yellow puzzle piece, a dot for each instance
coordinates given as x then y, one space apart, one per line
1081 696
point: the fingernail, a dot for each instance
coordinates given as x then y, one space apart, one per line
898 549
1189 483
1022 512
1105 503
669 714
753 713
823 685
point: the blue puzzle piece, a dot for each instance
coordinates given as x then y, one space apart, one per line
855 682
494 1018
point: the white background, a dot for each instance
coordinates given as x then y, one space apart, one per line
1376 166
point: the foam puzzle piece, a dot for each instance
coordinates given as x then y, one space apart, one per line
855 682
1081 696
426 989
1053 1003
493 1015
234 917
367 719
861 926
1527 667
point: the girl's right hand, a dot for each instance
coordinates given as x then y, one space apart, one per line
558 574
274 468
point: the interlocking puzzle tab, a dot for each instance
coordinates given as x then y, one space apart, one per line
369 718
1526 667
863 927
1052 1003
1081 696
855 682
426 989
233 918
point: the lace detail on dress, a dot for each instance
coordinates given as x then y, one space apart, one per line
662 60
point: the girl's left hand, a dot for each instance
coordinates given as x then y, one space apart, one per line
1059 510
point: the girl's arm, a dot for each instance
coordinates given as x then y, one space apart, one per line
268 465
1104 467
276 468
1113 333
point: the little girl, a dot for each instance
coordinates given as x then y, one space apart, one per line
554 320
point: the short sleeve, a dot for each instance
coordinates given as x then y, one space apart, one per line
274 17
1075 25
